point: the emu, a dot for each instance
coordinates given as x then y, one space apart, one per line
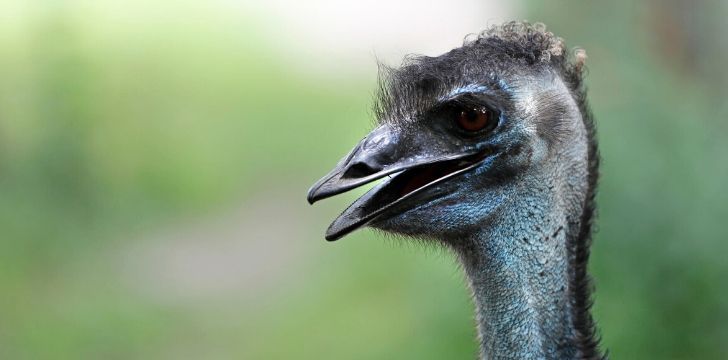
490 150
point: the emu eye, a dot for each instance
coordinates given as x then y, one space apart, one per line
474 119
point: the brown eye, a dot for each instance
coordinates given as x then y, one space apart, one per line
473 120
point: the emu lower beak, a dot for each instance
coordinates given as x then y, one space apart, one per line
418 163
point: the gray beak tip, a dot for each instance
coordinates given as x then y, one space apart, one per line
311 198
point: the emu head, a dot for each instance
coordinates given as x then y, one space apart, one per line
485 134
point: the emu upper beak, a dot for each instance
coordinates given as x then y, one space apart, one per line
418 162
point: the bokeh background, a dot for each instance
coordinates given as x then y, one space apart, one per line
155 157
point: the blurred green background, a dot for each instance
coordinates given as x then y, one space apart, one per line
155 157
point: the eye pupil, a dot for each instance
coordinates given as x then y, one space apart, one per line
473 120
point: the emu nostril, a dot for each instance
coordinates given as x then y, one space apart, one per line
360 169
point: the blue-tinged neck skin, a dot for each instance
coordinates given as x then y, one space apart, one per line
518 270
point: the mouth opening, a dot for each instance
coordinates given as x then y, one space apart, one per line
416 179
390 197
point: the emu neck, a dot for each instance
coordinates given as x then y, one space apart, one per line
519 269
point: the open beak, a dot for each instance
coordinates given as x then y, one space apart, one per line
413 163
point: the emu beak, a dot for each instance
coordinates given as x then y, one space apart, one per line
418 162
